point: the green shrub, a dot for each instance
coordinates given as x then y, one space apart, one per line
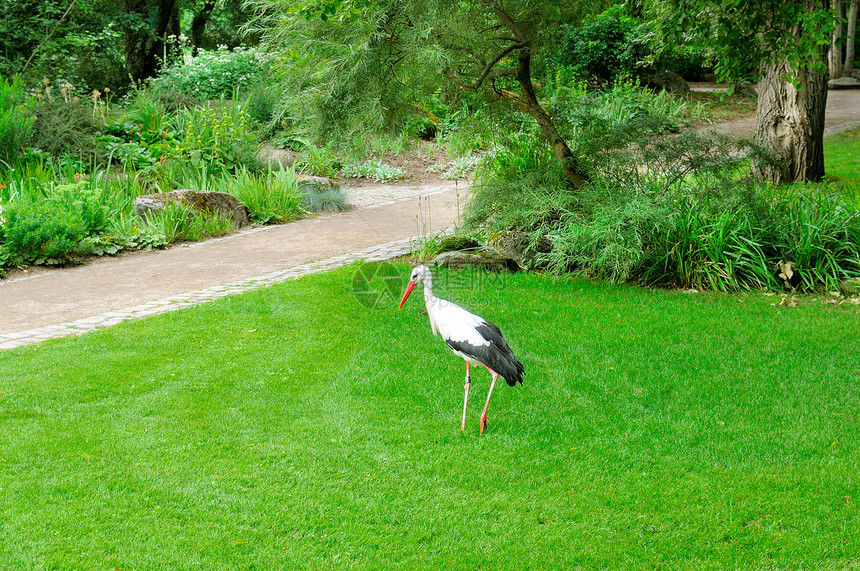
58 223
143 134
261 105
16 121
219 137
66 125
214 74
690 237
43 233
603 49
622 111
678 211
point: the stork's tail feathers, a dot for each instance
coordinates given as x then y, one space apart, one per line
512 371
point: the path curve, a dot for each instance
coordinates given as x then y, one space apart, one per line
843 114
44 303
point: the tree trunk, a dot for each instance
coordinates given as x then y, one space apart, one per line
198 26
145 49
529 102
850 35
790 121
531 105
836 43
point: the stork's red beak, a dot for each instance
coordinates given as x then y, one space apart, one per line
409 289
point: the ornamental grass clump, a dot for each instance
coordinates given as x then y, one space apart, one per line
678 211
270 197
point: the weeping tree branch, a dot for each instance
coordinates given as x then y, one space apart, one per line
528 100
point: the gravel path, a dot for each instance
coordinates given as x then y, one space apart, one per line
43 303
386 221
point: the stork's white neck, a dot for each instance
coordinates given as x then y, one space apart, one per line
427 280
430 300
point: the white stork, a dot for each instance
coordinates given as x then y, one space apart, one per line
474 339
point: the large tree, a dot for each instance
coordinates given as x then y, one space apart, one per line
516 30
782 45
373 56
147 25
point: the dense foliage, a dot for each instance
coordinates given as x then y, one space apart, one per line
606 47
343 84
215 74
678 211
16 120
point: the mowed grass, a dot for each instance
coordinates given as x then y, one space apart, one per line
294 428
842 157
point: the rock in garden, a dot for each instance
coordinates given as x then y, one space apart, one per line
270 157
850 287
307 182
671 82
515 245
489 261
226 205
450 243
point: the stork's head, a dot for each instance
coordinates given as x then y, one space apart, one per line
420 273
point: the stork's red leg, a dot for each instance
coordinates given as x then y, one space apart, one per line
484 414
466 397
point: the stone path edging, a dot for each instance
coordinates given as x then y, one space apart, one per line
376 253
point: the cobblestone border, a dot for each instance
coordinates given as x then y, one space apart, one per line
374 253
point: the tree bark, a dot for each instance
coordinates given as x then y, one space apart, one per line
836 43
850 35
790 121
198 26
144 48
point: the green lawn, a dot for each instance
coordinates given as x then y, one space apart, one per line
842 156
294 428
